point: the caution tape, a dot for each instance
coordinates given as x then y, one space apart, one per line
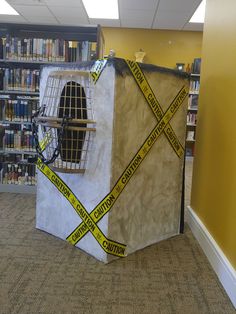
106 204
89 220
154 104
45 141
97 69
109 246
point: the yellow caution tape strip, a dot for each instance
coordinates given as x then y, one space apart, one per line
106 204
45 141
154 104
89 220
109 246
97 69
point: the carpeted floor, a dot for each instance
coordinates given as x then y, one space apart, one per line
44 275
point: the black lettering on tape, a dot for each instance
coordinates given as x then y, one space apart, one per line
152 101
130 170
105 205
113 248
61 186
84 215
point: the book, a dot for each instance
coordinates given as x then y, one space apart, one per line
1 48
19 79
189 152
41 49
2 133
193 102
18 173
190 136
2 79
196 67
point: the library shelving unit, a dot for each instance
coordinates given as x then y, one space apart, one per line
23 49
192 108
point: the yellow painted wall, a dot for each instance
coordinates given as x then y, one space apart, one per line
214 174
164 48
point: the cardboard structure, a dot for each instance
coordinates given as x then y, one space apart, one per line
124 149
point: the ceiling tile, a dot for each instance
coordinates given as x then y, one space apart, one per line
136 23
138 4
42 20
30 11
26 2
68 3
179 5
137 14
67 12
171 14
193 27
73 21
170 19
12 19
106 22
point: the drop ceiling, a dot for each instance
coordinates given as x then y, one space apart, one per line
149 14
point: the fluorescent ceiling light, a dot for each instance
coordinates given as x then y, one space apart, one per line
199 15
5 8
102 9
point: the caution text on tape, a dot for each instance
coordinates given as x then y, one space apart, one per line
97 69
109 246
106 204
154 104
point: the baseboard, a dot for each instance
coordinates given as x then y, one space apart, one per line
221 265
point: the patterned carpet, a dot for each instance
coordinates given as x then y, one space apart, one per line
42 274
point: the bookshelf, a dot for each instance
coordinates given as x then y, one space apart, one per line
192 107
23 49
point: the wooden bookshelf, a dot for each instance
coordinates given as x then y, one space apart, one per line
24 49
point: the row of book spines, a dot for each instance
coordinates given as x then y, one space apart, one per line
190 136
19 140
193 101
194 86
19 174
17 110
39 49
196 66
190 151
17 158
19 80
191 118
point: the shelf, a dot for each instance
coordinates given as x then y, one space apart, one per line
14 188
19 92
193 109
189 158
7 96
190 141
19 162
32 62
15 122
20 152
191 124
26 91
79 33
195 74
193 92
